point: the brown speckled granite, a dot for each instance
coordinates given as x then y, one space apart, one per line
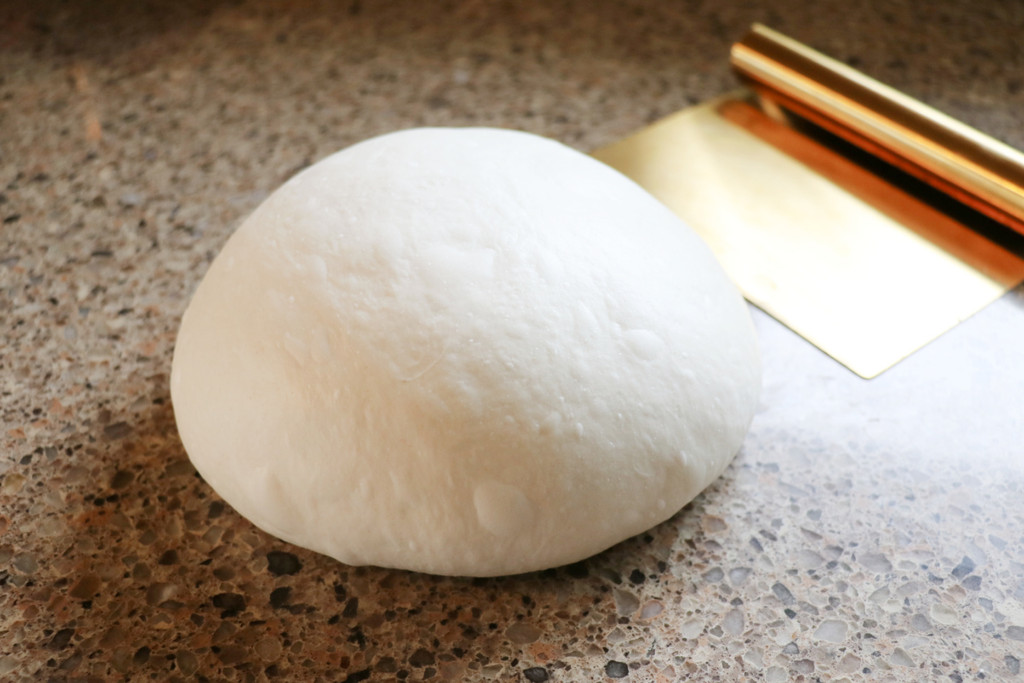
868 531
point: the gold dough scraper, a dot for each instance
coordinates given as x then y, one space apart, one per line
864 220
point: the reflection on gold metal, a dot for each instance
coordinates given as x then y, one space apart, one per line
856 266
974 250
959 160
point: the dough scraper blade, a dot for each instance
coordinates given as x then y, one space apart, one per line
864 220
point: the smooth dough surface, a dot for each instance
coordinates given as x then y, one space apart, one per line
463 351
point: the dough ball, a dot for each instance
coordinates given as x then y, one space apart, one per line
466 352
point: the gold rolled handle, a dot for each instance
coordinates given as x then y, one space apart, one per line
963 162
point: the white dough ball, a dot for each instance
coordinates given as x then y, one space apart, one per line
466 352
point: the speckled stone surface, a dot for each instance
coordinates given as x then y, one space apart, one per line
867 531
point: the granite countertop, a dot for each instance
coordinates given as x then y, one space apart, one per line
869 530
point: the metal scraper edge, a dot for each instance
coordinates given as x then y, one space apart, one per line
844 257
